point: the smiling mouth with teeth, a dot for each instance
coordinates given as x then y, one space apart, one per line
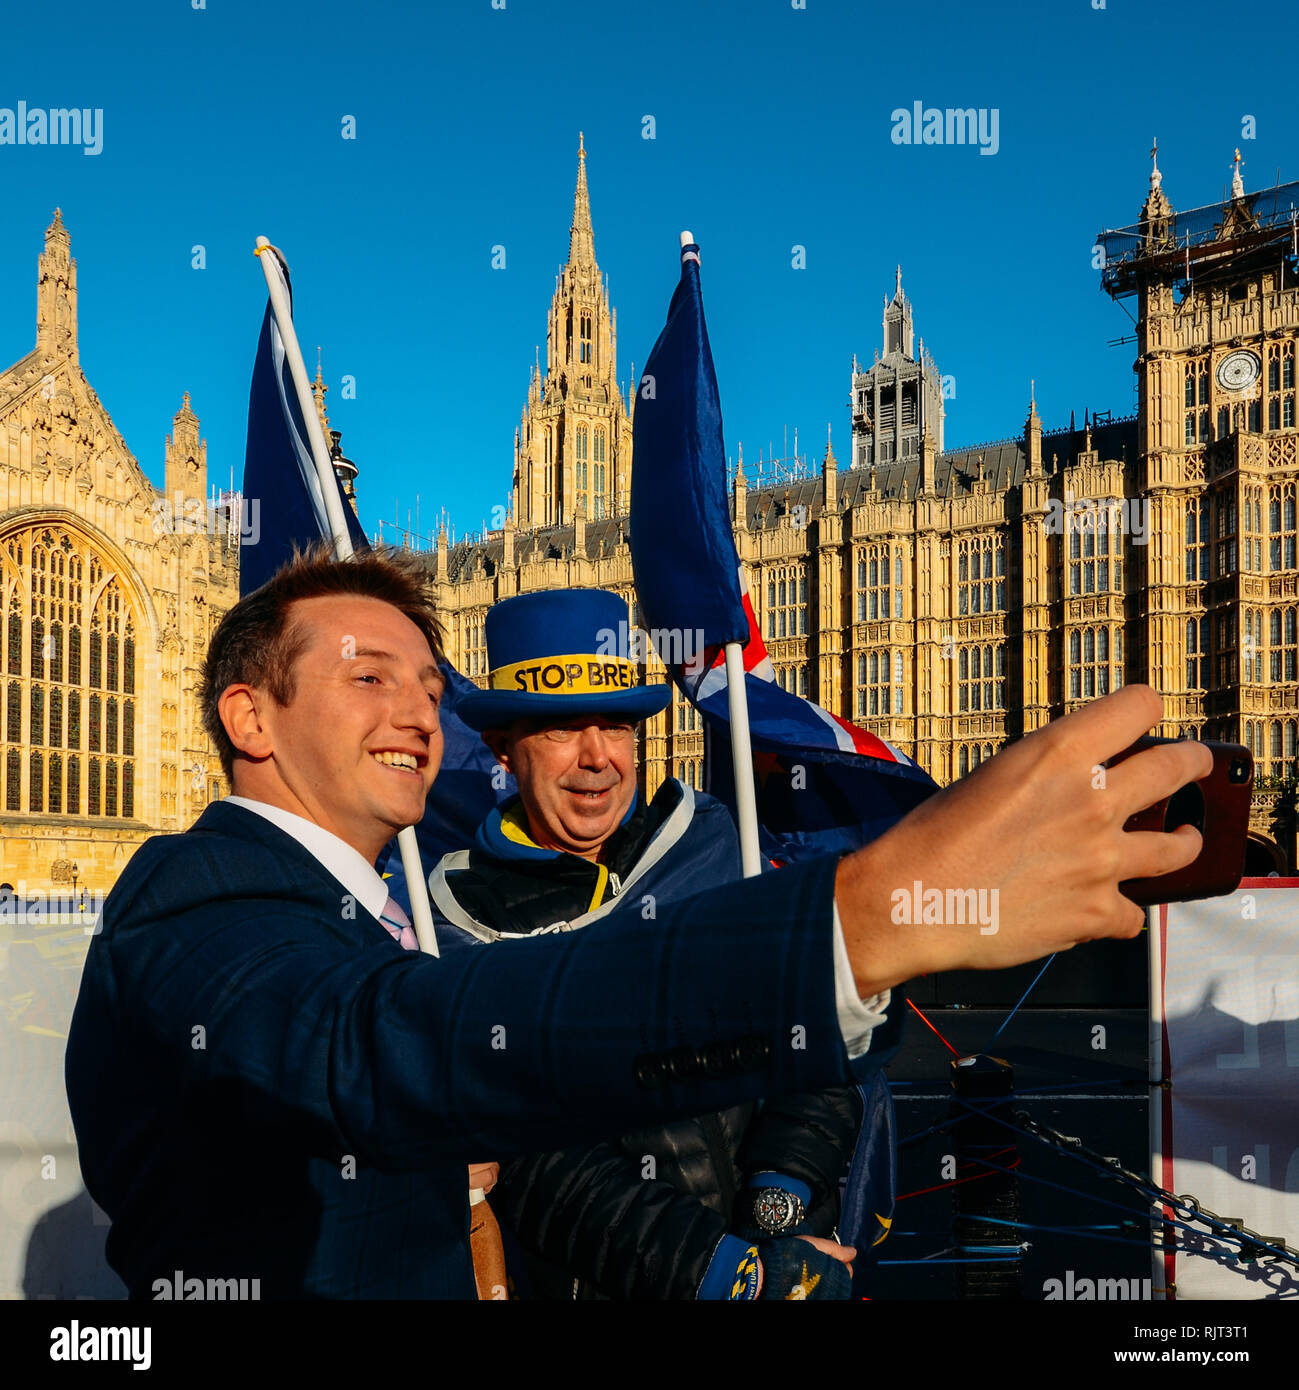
406 762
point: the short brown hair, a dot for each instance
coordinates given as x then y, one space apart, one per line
257 644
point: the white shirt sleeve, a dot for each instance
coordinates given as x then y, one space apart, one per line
858 1017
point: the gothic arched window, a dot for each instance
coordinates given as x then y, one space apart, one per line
13 780
68 637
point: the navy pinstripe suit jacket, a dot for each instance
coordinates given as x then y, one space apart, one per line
264 1085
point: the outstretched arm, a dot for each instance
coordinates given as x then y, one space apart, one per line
1040 826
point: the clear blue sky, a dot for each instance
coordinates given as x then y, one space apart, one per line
773 130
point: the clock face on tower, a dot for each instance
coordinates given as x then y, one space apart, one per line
1239 370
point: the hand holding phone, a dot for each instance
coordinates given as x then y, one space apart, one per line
1218 807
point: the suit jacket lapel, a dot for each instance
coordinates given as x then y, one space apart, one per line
299 864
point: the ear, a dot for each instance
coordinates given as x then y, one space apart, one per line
241 709
500 744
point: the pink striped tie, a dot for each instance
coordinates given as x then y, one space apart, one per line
398 924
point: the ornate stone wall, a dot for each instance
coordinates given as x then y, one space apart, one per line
109 591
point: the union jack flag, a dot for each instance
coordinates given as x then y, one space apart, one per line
824 785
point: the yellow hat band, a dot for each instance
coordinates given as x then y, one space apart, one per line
581 674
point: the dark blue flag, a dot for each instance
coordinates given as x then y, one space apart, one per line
823 784
281 492
280 479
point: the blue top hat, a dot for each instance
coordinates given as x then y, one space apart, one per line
558 654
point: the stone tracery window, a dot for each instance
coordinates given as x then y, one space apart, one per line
69 644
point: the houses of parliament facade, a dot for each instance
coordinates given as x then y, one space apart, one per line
953 600
948 600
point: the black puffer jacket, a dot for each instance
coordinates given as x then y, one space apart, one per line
640 1217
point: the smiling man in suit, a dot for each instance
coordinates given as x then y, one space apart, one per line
265 1085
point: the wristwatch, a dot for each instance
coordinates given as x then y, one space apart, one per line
776 1210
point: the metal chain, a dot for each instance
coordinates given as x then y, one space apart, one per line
1252 1245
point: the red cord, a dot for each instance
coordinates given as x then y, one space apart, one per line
956 1182
936 1033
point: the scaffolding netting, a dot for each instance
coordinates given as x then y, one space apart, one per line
1182 243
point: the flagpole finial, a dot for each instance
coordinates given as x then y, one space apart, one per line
687 238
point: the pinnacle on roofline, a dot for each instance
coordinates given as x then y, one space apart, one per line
1237 183
581 240
57 230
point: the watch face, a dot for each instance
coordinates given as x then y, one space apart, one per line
1238 370
776 1210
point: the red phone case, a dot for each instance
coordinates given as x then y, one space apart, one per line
1217 869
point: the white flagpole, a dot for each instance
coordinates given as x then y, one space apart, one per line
1157 1080
737 698
421 912
746 805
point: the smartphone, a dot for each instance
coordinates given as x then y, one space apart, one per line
1218 807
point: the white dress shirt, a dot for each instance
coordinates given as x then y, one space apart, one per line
858 1017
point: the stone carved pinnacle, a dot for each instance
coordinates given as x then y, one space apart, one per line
581 241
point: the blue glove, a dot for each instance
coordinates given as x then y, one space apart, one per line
794 1269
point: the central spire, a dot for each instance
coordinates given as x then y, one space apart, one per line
581 239
572 453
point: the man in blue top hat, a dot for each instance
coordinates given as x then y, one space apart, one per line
671 1211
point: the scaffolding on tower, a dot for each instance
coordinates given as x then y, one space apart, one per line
1190 245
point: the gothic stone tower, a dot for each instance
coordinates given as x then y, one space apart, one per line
900 397
109 592
572 450
1217 291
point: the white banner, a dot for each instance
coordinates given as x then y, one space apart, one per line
1225 1029
51 1232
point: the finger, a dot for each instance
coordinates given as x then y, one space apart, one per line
1124 921
1154 773
1150 853
1111 724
